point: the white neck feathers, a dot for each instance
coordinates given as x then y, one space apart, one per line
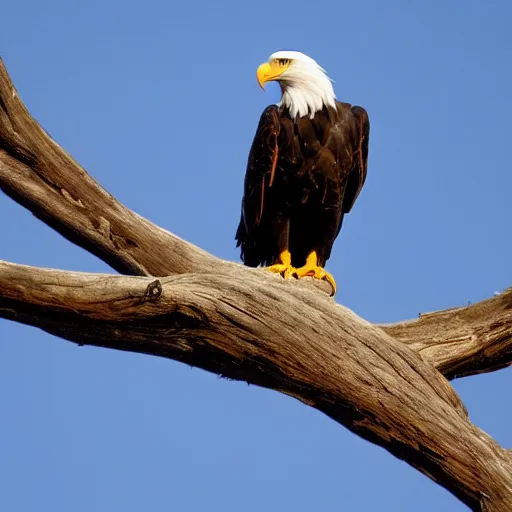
305 86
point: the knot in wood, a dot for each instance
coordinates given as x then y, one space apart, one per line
154 290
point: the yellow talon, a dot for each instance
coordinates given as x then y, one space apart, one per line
311 269
282 269
285 267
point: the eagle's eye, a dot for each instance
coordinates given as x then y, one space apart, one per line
283 62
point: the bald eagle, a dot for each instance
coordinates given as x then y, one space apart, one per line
306 167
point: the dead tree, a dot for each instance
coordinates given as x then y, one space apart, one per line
386 383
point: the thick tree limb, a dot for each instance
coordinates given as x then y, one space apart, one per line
299 343
37 173
249 325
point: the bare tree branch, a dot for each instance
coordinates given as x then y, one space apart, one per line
37 173
245 324
295 341
462 341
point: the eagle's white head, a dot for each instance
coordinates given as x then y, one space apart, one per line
305 86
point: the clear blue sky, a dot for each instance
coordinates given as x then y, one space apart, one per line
159 101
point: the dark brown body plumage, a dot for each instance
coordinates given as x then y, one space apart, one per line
302 177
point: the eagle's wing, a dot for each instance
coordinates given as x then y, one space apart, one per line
357 176
254 232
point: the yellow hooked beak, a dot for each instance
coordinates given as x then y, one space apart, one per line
270 71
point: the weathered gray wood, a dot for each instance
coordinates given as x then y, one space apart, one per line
380 382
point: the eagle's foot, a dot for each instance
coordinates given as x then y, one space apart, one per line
311 269
285 267
317 273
